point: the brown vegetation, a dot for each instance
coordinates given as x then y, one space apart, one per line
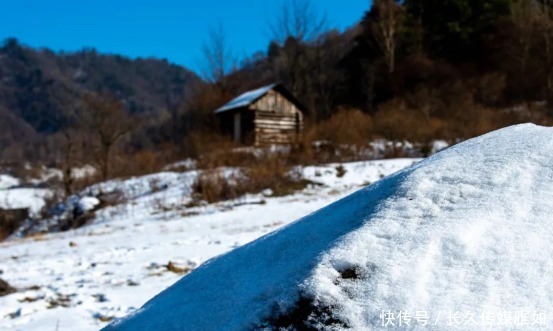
213 186
11 220
269 172
108 121
346 127
401 74
6 288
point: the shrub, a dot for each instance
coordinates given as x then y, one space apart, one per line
270 172
400 121
273 173
213 151
11 220
340 171
395 122
347 126
6 288
340 138
213 186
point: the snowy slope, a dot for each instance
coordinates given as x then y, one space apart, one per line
23 197
7 181
78 280
463 238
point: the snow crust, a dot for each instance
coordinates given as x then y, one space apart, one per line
467 230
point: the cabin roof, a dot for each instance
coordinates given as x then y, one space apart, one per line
248 98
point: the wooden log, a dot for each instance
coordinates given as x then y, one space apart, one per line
275 123
273 137
274 131
275 118
277 127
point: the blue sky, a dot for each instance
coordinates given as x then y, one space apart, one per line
171 29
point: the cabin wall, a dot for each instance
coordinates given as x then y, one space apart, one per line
277 120
246 125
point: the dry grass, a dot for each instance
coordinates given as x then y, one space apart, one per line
346 127
11 220
212 150
214 186
271 173
343 137
275 174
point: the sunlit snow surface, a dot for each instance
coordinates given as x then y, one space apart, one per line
467 231
23 197
114 266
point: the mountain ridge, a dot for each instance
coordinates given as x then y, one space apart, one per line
40 89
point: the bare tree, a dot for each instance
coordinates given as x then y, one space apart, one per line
524 15
297 24
389 18
69 158
300 20
218 57
327 50
545 22
108 120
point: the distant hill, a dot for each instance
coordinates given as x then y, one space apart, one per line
39 88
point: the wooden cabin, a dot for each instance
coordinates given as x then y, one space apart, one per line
270 115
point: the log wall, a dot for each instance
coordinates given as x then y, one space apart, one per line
277 120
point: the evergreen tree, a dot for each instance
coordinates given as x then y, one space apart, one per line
453 29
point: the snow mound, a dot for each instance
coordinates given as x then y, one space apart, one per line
7 181
87 203
465 233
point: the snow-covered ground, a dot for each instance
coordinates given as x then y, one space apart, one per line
458 241
7 181
12 196
31 192
79 280
32 198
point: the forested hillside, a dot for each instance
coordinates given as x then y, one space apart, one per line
41 92
413 70
421 69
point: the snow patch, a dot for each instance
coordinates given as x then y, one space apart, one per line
88 203
7 181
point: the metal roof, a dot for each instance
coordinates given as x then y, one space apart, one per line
246 99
